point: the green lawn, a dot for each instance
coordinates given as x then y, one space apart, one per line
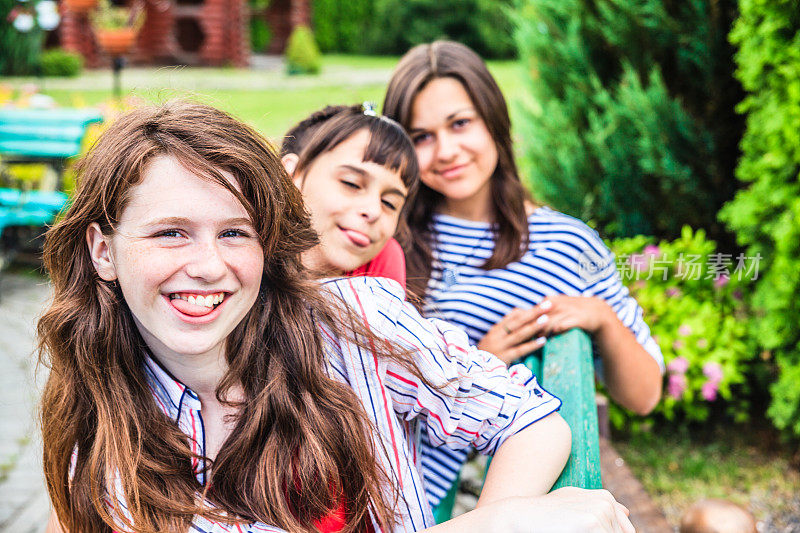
740 464
266 98
272 112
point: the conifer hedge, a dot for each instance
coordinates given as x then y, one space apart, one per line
394 26
629 119
766 215
342 26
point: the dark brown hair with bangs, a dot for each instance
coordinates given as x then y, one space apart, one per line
297 137
302 441
388 146
447 59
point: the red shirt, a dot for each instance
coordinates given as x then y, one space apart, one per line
389 263
334 522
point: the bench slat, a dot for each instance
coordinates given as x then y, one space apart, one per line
53 201
50 116
17 217
18 131
568 372
40 149
44 133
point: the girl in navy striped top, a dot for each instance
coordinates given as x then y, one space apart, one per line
201 380
486 257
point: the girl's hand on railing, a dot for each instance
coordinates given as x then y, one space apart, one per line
519 333
567 510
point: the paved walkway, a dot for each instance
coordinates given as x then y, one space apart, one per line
265 73
24 505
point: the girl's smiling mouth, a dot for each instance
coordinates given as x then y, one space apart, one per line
452 171
192 306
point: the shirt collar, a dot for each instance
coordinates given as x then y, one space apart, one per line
170 394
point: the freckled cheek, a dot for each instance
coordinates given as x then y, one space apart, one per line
148 268
248 265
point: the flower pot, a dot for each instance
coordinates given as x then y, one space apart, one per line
116 42
80 6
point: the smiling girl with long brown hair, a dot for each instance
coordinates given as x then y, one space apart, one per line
200 380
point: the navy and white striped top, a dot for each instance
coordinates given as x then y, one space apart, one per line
565 256
479 402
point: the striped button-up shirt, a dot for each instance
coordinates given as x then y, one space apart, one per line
482 406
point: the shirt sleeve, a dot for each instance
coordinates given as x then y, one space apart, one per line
471 397
599 271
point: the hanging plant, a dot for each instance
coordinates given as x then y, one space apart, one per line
116 27
80 6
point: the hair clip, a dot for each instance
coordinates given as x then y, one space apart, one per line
368 108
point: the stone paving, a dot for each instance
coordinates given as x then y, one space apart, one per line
265 73
24 505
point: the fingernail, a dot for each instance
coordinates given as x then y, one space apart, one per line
547 304
541 340
542 319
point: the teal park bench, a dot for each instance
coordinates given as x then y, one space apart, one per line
23 215
565 368
48 136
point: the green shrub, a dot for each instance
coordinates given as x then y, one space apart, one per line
629 119
339 26
698 316
58 62
766 216
302 55
20 50
260 34
483 25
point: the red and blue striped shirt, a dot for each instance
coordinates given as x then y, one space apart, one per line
480 402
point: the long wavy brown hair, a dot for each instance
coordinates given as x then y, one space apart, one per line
446 59
302 441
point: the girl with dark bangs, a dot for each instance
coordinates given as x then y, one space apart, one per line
486 257
356 171
201 380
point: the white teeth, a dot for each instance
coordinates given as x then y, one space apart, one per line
207 301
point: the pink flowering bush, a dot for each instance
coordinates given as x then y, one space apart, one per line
692 301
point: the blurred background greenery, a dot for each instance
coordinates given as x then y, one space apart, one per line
672 126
